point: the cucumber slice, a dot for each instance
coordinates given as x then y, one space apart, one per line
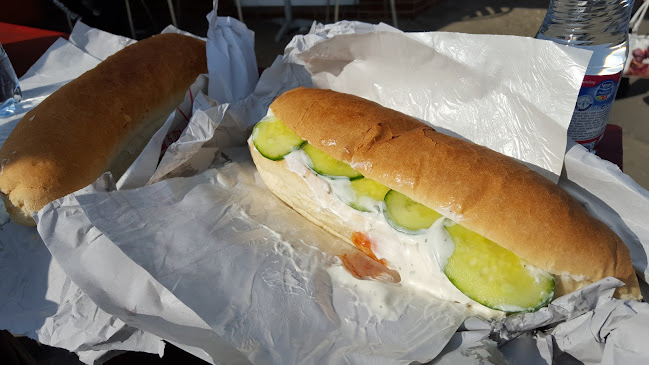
273 139
328 166
361 194
406 215
367 192
493 276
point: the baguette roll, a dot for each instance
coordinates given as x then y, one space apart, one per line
484 191
96 123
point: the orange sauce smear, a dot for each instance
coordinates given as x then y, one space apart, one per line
365 264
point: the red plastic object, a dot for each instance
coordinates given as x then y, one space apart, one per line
610 147
25 45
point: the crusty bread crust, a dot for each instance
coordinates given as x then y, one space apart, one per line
483 190
96 123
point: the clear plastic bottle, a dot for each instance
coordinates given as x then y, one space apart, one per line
601 26
10 92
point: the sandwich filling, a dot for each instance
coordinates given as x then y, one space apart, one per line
429 251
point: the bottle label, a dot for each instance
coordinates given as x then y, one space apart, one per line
593 108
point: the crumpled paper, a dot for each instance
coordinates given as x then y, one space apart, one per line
237 68
587 327
221 244
613 197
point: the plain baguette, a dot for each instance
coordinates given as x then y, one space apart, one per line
96 123
483 190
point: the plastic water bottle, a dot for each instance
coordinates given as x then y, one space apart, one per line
10 92
601 26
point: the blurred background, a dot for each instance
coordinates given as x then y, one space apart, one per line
265 17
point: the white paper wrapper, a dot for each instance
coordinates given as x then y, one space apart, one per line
97 43
612 196
237 66
214 262
260 286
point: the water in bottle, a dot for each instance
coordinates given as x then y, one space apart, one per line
10 92
601 26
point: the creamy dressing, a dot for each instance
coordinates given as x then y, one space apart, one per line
344 191
417 257
383 300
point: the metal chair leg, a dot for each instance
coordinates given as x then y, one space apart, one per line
149 14
336 10
239 11
288 16
69 22
173 13
130 18
393 8
327 11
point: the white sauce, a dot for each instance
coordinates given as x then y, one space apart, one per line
418 258
383 300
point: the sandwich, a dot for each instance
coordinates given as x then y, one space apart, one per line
452 218
98 122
